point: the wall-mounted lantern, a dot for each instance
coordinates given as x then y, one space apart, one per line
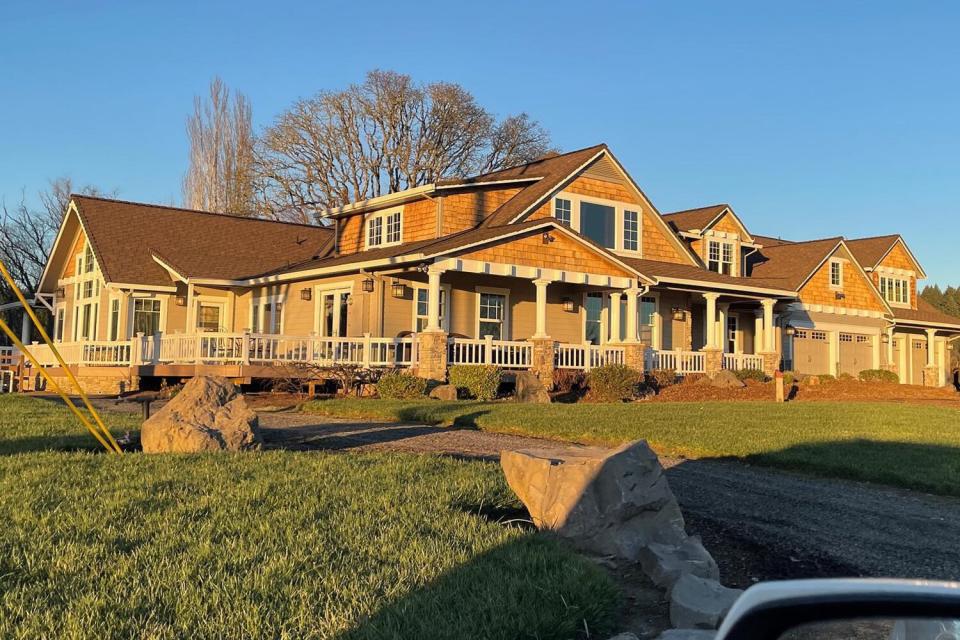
367 285
791 330
679 314
567 304
885 338
306 294
181 301
398 289
61 293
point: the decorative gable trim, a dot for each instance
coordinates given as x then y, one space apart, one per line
851 260
920 272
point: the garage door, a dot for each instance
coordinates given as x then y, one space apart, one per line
897 348
811 352
856 353
918 358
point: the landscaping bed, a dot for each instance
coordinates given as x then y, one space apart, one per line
912 446
273 544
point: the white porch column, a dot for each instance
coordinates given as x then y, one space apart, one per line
433 299
931 348
758 331
191 312
615 316
722 340
710 321
632 314
769 345
541 285
890 345
25 328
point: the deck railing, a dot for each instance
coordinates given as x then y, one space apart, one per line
586 356
683 362
96 353
507 354
737 361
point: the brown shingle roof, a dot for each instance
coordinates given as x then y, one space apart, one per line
770 241
792 263
669 270
925 312
869 251
690 219
126 235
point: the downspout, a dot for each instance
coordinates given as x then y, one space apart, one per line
743 261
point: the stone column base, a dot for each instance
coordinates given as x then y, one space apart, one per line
713 361
771 362
633 355
931 376
543 360
432 355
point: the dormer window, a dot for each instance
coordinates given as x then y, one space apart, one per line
385 228
611 224
720 257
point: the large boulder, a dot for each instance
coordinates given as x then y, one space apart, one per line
208 414
700 603
665 564
726 379
446 392
529 389
609 502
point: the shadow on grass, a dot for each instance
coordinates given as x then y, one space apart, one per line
925 467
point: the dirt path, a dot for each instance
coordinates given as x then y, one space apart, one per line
761 524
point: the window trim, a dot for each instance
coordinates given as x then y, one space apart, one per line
256 306
839 263
113 324
210 301
505 333
382 215
618 206
887 288
132 304
721 242
444 317
342 286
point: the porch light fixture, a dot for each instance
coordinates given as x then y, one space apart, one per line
367 285
61 293
567 304
791 330
398 289
840 295
547 238
679 314
181 301
306 294
885 338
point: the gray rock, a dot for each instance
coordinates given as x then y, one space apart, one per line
530 389
725 379
699 603
687 634
446 392
664 564
608 502
625 636
208 414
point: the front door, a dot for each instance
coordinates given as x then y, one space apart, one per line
733 324
333 313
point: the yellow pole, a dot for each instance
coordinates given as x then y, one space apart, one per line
56 387
46 338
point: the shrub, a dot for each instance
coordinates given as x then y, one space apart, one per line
750 374
401 386
693 378
879 375
567 380
661 378
790 377
826 378
479 381
613 382
846 377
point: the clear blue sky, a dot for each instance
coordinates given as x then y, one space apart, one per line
811 118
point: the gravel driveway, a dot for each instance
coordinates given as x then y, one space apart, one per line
761 524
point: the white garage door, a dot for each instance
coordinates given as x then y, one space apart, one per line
811 352
856 353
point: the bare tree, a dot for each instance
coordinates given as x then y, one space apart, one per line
220 132
384 135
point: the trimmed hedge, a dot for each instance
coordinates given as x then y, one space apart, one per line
879 375
613 382
480 381
661 378
750 374
401 386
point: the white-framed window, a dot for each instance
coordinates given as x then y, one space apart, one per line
609 223
720 256
421 307
493 313
113 321
147 316
895 290
211 315
631 230
836 274
384 228
266 315
563 210
733 325
59 321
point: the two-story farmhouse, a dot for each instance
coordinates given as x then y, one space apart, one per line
561 263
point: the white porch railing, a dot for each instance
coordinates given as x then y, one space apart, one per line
9 356
508 354
683 362
586 356
104 353
737 361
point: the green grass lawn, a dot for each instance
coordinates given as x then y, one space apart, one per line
269 545
907 445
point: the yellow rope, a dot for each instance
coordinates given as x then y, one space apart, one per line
56 387
46 338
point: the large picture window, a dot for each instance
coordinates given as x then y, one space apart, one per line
599 223
492 312
146 316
